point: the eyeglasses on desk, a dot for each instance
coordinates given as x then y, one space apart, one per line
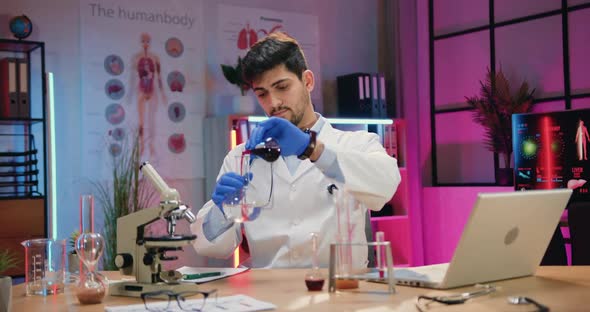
424 301
153 300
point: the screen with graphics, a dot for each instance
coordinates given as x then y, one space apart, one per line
551 151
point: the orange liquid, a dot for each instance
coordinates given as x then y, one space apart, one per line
347 284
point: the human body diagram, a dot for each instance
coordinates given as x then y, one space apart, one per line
581 138
146 85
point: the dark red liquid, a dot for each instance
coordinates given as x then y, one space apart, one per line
314 284
269 154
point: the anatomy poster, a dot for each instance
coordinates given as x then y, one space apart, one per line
240 27
143 77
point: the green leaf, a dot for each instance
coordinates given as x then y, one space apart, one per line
493 110
8 260
126 193
233 74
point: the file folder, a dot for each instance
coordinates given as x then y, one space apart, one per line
375 105
367 104
390 140
382 96
24 107
354 95
8 88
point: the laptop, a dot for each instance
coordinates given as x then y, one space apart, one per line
505 237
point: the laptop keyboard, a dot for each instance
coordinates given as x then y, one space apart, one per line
428 273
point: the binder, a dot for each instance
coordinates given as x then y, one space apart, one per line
382 97
244 130
8 88
241 127
375 105
390 140
24 107
367 105
354 95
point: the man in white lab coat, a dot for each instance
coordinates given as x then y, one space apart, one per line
311 163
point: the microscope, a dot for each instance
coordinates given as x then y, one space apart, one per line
142 256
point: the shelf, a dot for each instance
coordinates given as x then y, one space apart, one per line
19 121
339 120
389 218
21 197
23 161
11 45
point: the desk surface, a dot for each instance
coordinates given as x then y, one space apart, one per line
560 288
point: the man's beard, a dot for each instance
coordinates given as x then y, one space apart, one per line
296 116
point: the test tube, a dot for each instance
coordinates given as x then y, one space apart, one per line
381 266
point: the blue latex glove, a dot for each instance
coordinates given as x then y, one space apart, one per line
292 140
227 185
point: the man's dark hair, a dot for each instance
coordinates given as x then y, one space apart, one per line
271 51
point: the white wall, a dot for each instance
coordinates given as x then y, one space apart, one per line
348 35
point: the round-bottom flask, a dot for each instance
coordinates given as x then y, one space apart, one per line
314 279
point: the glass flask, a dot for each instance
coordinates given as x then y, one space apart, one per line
314 279
246 204
92 286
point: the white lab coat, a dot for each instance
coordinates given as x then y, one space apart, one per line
301 204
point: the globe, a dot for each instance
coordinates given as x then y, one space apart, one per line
21 26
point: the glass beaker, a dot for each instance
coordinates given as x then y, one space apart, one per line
245 205
343 275
45 261
348 211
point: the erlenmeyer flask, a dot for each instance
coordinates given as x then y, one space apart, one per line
246 204
92 286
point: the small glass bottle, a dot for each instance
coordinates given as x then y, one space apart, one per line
314 279
92 286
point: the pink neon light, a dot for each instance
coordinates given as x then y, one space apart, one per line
546 150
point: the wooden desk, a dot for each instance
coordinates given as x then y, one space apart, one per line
560 288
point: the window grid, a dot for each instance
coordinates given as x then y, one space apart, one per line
491 27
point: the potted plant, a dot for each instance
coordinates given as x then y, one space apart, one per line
124 194
233 74
73 261
493 109
8 260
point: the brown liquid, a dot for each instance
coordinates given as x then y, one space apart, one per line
90 296
347 284
314 284
269 154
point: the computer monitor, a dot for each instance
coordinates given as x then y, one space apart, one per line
551 151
